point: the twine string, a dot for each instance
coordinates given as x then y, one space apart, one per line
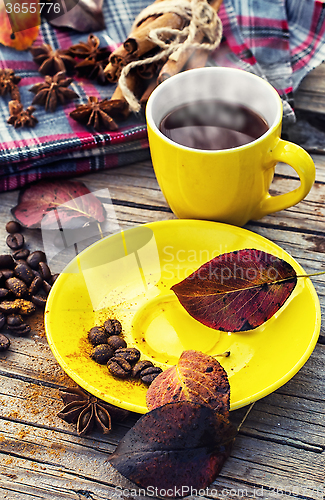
203 20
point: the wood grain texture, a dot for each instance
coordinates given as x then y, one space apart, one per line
279 452
310 95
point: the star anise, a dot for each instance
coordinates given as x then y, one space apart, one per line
52 90
94 59
8 83
90 49
92 69
20 117
52 61
97 113
88 411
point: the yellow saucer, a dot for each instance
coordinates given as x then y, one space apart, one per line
129 275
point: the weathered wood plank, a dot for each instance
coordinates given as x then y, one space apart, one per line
42 457
310 95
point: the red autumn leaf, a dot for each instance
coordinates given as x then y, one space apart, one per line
18 29
197 377
175 447
237 291
69 202
81 15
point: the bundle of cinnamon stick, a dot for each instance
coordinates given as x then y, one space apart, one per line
167 37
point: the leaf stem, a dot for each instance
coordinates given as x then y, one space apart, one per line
309 275
225 354
245 416
100 230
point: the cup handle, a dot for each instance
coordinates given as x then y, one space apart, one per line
302 163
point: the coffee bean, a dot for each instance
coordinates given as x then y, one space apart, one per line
44 271
25 307
46 287
131 354
7 273
13 227
21 254
117 326
19 306
14 320
102 353
148 375
54 277
35 258
139 366
116 342
3 320
39 300
20 330
24 272
17 287
109 327
97 335
15 241
35 285
119 367
9 307
4 342
7 262
3 293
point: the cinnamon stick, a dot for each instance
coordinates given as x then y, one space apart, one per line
172 67
139 43
136 84
150 87
112 72
120 57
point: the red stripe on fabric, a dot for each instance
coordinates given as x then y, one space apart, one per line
31 80
271 43
232 41
312 33
288 90
19 65
263 22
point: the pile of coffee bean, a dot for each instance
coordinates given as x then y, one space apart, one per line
25 282
122 361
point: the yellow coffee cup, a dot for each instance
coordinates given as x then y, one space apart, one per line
225 185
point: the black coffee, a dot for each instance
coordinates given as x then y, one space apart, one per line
213 124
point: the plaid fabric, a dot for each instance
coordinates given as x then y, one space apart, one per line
280 40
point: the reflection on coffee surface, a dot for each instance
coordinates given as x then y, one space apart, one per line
213 124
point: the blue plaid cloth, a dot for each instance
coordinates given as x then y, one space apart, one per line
280 40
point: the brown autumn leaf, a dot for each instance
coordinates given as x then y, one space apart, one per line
237 291
81 15
69 202
197 377
174 448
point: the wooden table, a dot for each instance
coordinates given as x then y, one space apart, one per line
279 452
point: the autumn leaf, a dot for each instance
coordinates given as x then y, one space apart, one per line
81 15
70 202
175 447
197 377
237 291
18 29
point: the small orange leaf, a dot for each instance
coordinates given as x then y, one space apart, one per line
197 377
19 29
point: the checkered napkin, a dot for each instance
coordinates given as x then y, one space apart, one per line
280 40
